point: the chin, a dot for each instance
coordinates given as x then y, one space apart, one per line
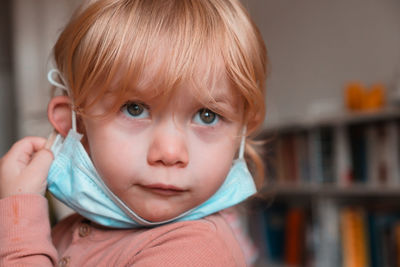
158 216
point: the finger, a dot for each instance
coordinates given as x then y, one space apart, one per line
20 154
23 149
50 140
40 163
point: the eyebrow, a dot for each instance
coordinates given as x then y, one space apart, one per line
143 93
221 101
224 105
221 97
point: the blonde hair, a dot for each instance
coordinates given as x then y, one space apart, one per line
109 43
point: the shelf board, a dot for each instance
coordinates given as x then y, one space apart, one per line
343 118
333 190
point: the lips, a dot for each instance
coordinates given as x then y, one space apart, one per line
163 189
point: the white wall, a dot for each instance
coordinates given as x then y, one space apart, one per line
7 107
316 46
36 26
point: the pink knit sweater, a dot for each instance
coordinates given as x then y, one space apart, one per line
26 240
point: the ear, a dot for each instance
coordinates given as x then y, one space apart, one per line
59 114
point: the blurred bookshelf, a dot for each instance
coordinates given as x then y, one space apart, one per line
314 190
332 196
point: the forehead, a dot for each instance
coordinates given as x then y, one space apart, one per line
203 76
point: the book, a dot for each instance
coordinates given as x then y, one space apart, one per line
327 155
397 243
384 154
295 236
358 151
392 154
327 236
381 228
281 169
344 171
289 159
275 221
373 155
315 155
355 247
302 157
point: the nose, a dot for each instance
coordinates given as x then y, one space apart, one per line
168 147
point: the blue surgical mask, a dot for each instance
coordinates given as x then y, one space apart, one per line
73 180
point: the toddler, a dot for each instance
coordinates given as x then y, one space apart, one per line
158 99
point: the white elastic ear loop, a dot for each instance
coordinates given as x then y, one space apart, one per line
242 143
63 87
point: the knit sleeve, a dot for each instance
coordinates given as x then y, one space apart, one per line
190 245
25 232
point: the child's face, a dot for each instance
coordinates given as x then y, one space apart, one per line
164 161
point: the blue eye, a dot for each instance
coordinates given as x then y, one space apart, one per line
135 110
206 117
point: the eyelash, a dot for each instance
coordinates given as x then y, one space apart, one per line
144 112
205 111
136 106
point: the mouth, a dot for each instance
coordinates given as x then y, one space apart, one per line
163 189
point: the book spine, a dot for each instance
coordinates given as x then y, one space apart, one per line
354 241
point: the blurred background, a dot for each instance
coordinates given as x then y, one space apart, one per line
28 30
328 60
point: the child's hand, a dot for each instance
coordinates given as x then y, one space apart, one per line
23 170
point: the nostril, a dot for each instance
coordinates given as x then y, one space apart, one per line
171 154
168 160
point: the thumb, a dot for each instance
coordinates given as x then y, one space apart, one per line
40 163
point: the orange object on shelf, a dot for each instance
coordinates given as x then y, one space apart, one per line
359 98
354 95
374 98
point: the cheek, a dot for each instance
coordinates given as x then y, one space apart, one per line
213 177
114 157
105 158
214 166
